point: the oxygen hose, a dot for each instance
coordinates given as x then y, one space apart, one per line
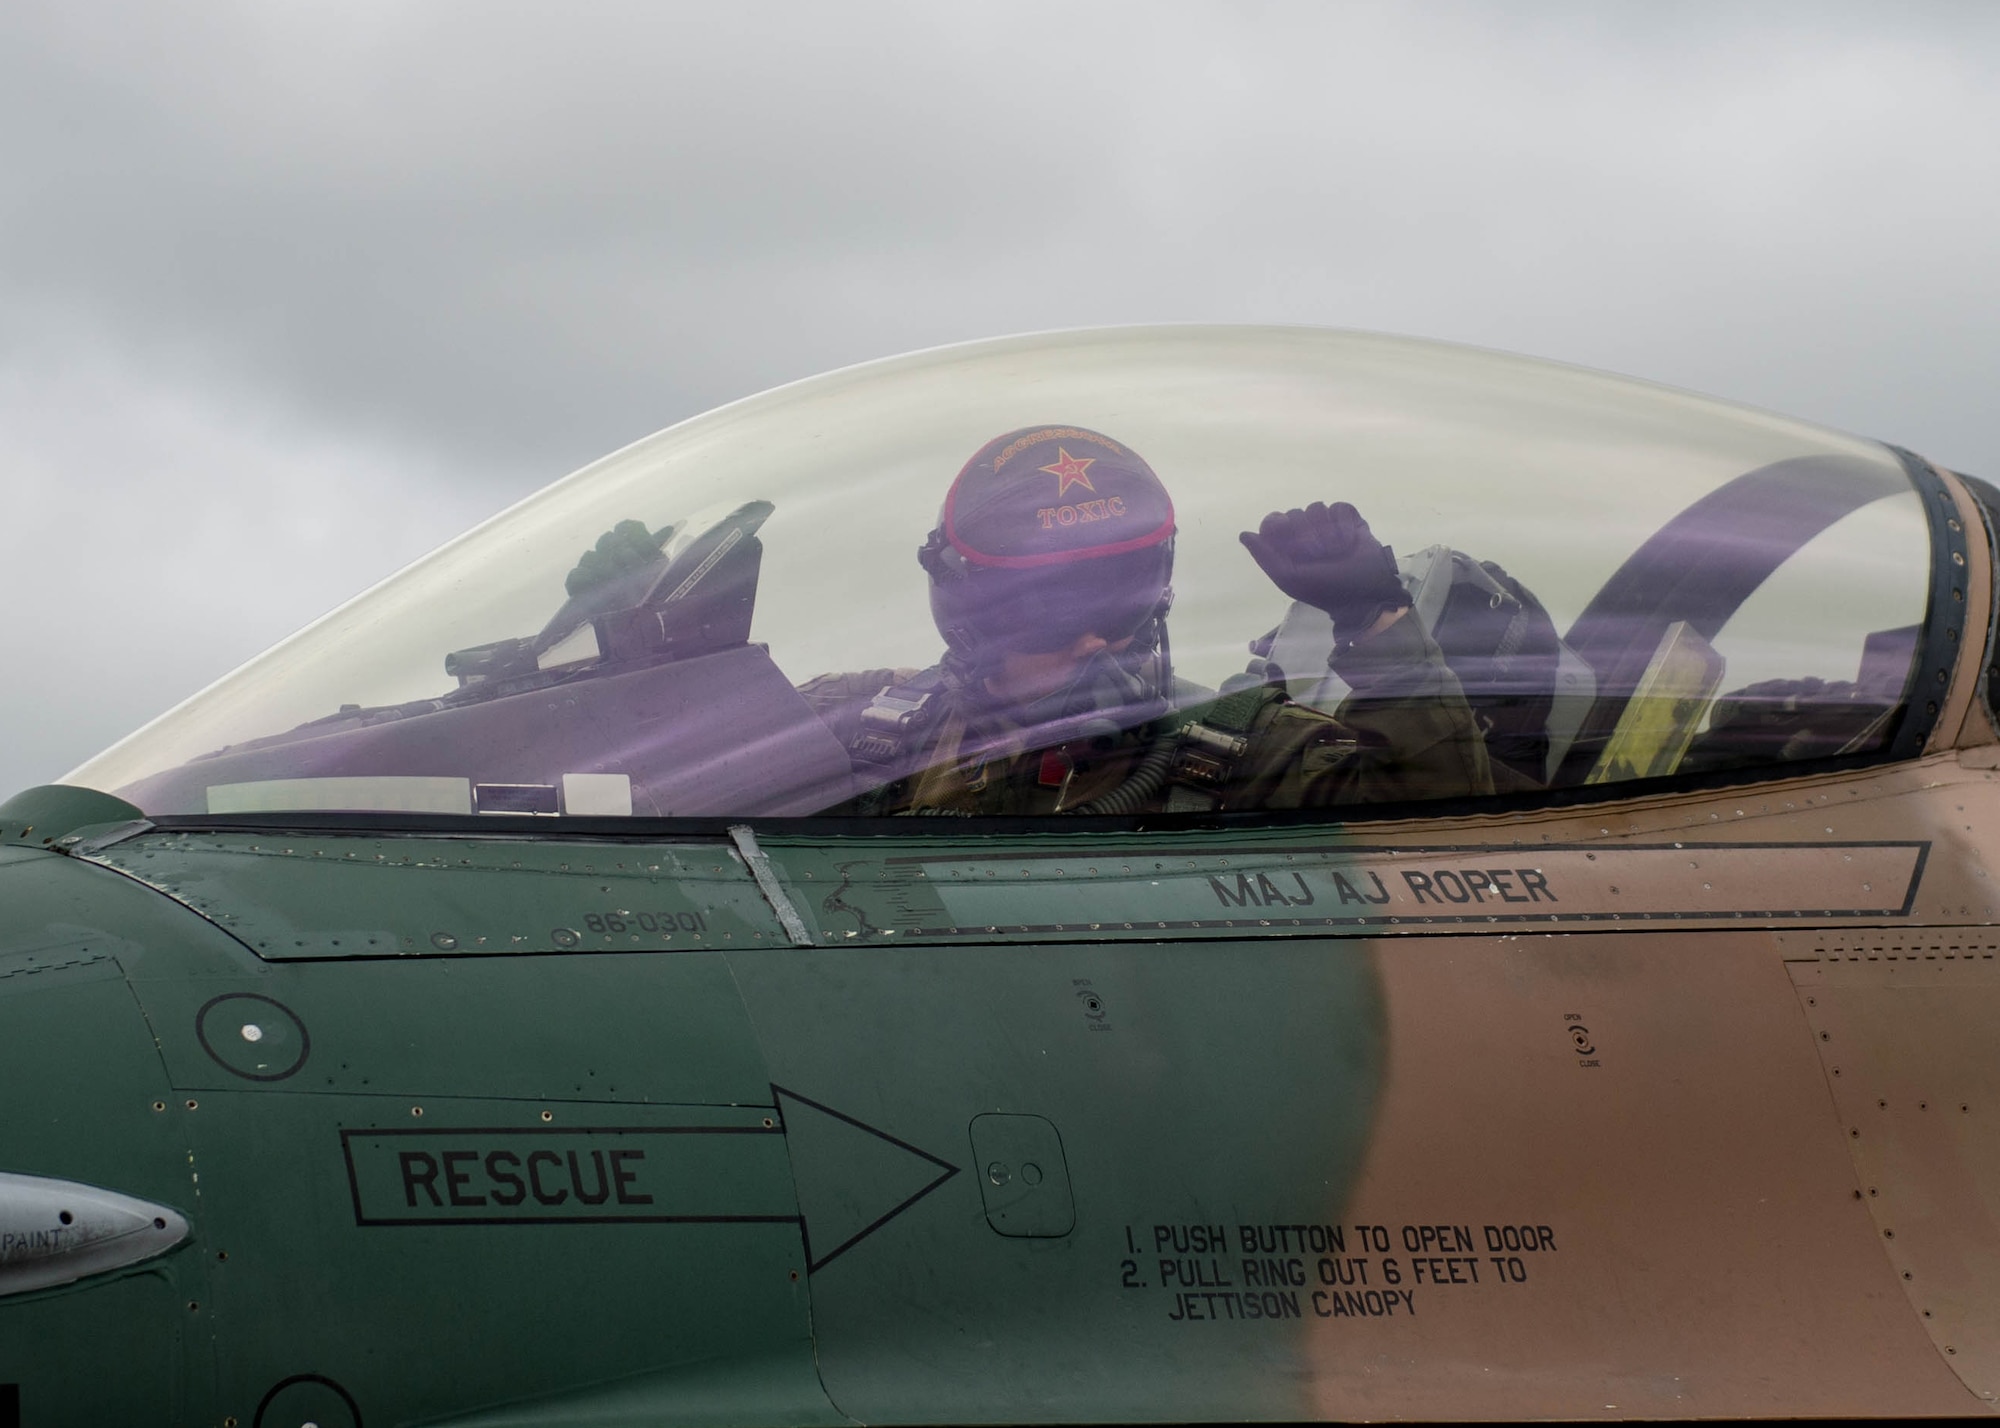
1147 778
1150 774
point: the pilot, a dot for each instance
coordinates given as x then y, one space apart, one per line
1050 580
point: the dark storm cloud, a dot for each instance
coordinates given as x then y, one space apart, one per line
412 261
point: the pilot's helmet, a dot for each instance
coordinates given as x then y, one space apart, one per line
1047 534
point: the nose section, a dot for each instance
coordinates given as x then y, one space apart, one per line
95 1147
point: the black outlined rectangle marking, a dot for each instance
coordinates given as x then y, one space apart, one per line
1164 876
674 1200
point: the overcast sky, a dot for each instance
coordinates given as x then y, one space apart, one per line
290 294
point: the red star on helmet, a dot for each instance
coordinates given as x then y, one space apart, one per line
1070 471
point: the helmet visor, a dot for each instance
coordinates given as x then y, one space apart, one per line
1036 611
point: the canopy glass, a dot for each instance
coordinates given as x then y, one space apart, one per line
1623 581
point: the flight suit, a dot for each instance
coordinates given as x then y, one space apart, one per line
1403 734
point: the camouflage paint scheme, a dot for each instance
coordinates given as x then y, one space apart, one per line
1324 1120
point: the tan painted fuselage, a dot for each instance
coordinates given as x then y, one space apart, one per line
1733 1149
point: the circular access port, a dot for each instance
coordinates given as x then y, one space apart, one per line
307 1398
253 1036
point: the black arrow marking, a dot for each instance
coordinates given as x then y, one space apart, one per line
842 1171
779 1097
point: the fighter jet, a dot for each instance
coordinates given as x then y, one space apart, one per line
1134 875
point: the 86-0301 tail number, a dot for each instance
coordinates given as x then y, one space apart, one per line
625 920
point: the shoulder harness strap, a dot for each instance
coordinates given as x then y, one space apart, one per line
895 721
1210 748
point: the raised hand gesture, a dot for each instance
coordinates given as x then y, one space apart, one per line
1327 557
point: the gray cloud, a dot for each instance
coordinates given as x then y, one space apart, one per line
291 293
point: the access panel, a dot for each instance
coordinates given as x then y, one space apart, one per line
443 1184
1164 1095
1904 1026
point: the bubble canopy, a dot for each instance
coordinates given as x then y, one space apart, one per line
1606 580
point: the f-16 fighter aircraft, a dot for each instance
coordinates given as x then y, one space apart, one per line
1212 873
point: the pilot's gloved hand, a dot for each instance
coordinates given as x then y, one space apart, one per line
1327 557
626 546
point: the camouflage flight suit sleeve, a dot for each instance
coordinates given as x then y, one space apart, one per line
1403 734
838 699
